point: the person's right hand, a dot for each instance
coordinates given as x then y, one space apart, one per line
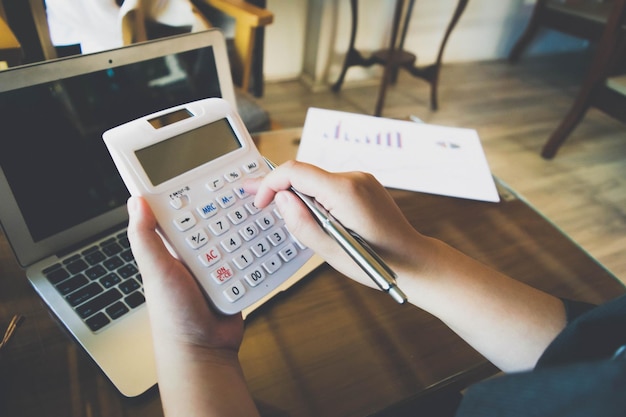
356 199
504 319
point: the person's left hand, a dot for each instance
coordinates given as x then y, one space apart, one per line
196 349
179 312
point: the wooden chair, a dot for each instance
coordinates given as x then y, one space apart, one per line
584 19
395 57
10 47
604 86
248 19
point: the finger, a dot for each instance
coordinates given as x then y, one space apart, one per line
166 280
306 178
169 286
300 221
148 248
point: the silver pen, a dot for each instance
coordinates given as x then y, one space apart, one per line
354 245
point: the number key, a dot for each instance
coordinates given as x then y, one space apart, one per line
219 226
277 237
249 232
265 222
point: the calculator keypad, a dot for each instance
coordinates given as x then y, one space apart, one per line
237 245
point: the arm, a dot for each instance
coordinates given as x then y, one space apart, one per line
195 349
507 321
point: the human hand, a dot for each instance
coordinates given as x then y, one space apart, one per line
507 321
180 313
356 199
196 349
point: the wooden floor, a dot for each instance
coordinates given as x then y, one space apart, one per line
514 109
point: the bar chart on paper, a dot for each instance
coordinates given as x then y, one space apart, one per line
347 133
400 154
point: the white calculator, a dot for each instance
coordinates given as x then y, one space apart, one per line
189 163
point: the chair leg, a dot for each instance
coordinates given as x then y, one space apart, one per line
391 57
528 34
434 77
352 56
566 127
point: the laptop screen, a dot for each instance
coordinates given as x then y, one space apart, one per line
51 149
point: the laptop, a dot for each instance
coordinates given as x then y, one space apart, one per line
63 206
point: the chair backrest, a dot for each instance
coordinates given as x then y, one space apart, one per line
602 86
249 19
10 47
582 18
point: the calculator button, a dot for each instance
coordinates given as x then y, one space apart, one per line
207 209
261 248
255 277
277 237
219 226
233 175
210 256
288 252
227 199
215 184
251 166
231 243
272 264
197 239
243 260
185 221
178 202
237 216
249 232
252 209
240 192
222 274
277 214
265 222
235 291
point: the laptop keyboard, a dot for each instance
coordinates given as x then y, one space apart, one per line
102 283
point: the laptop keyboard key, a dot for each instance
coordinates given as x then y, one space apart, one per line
135 299
129 286
113 263
127 271
84 294
95 257
72 284
110 280
95 272
112 249
57 275
127 255
97 322
77 266
98 303
117 310
123 240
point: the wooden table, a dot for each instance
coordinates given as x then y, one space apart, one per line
328 346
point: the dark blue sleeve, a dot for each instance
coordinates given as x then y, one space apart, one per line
592 333
577 376
575 309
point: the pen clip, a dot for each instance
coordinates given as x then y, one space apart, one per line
372 253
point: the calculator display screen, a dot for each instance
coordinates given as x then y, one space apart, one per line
174 156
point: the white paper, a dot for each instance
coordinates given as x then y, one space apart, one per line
400 154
